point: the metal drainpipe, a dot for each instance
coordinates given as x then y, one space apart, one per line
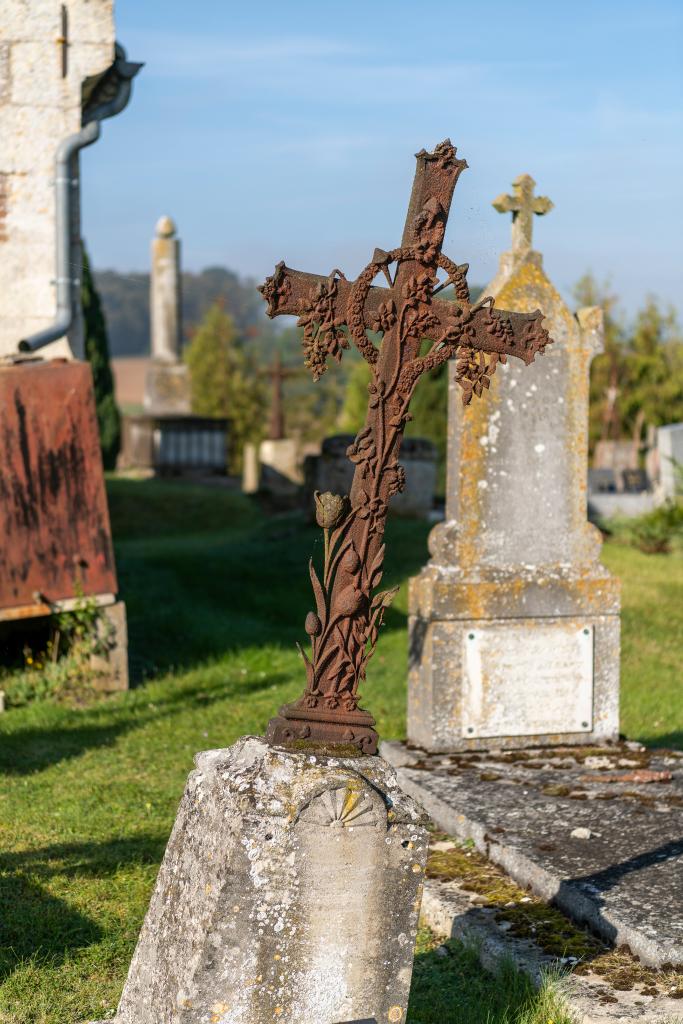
66 281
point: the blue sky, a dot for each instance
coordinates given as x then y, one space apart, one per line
286 130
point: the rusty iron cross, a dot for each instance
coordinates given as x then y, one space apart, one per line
278 375
418 332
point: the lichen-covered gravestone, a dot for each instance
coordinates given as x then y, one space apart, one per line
291 885
514 623
289 891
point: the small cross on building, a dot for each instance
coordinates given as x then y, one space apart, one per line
523 204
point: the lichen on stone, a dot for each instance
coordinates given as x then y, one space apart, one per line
533 919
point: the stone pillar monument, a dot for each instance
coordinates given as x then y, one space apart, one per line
167 388
514 623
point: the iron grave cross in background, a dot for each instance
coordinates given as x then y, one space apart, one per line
418 333
278 375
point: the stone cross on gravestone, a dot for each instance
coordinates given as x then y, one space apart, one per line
419 332
522 205
514 623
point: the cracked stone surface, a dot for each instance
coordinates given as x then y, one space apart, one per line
290 890
608 853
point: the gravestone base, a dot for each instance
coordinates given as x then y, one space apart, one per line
509 662
281 473
290 890
167 390
111 666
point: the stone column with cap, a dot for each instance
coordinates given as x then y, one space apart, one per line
514 623
167 386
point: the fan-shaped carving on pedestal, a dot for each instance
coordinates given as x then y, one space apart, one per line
340 808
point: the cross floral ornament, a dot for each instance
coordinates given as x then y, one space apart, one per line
418 333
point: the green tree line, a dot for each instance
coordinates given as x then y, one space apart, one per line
636 382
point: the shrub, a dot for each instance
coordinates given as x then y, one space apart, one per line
655 532
64 670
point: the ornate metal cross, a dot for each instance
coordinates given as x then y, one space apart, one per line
522 205
350 605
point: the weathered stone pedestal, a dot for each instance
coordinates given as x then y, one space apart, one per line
167 389
514 624
289 891
280 467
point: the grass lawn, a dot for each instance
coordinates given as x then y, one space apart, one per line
216 597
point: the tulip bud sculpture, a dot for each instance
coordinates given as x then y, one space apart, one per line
417 333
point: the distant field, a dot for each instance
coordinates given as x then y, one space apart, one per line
216 598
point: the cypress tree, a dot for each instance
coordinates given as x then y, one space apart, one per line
97 354
224 381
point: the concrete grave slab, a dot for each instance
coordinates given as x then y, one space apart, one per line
596 831
447 909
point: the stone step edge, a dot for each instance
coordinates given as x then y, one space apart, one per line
578 906
447 910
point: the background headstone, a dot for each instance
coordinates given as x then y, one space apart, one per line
332 471
290 890
514 624
670 451
44 63
619 456
280 457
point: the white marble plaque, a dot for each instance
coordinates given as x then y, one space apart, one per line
527 680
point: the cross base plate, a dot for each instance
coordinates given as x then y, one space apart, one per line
290 729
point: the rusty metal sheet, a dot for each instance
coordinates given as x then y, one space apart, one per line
55 537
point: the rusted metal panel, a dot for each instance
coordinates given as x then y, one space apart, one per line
54 521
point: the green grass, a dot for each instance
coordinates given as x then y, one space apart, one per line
216 597
651 644
450 987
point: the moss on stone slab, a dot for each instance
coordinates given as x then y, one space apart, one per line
531 918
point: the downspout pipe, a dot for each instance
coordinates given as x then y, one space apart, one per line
67 278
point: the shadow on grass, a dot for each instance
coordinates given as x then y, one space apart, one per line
35 924
30 749
667 741
451 987
199 594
